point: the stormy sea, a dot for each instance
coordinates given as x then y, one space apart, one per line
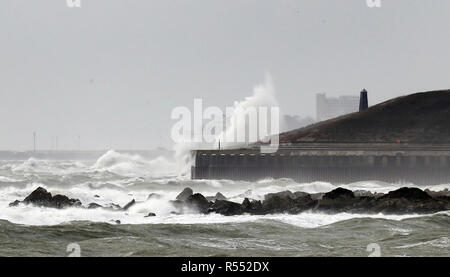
118 178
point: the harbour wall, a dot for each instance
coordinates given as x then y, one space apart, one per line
336 163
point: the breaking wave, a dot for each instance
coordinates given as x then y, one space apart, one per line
134 165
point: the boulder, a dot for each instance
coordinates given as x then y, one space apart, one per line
407 193
185 194
199 202
251 206
281 194
337 200
14 204
41 197
339 193
150 215
61 201
443 194
225 207
287 202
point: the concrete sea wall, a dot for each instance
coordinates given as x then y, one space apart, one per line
337 163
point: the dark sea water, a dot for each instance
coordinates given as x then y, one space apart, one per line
119 178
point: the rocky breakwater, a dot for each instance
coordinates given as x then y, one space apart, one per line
401 201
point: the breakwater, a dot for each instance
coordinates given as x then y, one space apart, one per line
337 163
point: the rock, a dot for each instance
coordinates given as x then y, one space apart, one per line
61 201
337 200
286 193
117 222
252 207
225 207
43 198
317 196
408 193
282 194
199 202
185 194
39 197
94 206
401 201
443 194
287 202
150 215
339 193
359 193
129 205
96 196
14 204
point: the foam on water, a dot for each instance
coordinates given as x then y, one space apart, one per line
133 165
119 178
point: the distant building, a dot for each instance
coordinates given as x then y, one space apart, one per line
330 107
363 102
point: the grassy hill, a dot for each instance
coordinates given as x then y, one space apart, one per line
417 118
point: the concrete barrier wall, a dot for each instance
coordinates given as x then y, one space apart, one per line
420 167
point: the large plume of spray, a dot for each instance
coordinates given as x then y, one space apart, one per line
264 95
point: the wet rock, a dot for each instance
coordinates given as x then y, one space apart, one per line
282 194
443 194
317 196
407 193
408 200
129 205
61 201
150 215
185 194
14 204
287 202
225 207
339 193
94 206
252 207
337 200
199 202
41 197
363 193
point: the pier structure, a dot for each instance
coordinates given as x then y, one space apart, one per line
329 162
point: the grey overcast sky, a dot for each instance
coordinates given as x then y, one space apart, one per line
112 71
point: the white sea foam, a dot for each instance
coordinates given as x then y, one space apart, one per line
135 178
133 165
